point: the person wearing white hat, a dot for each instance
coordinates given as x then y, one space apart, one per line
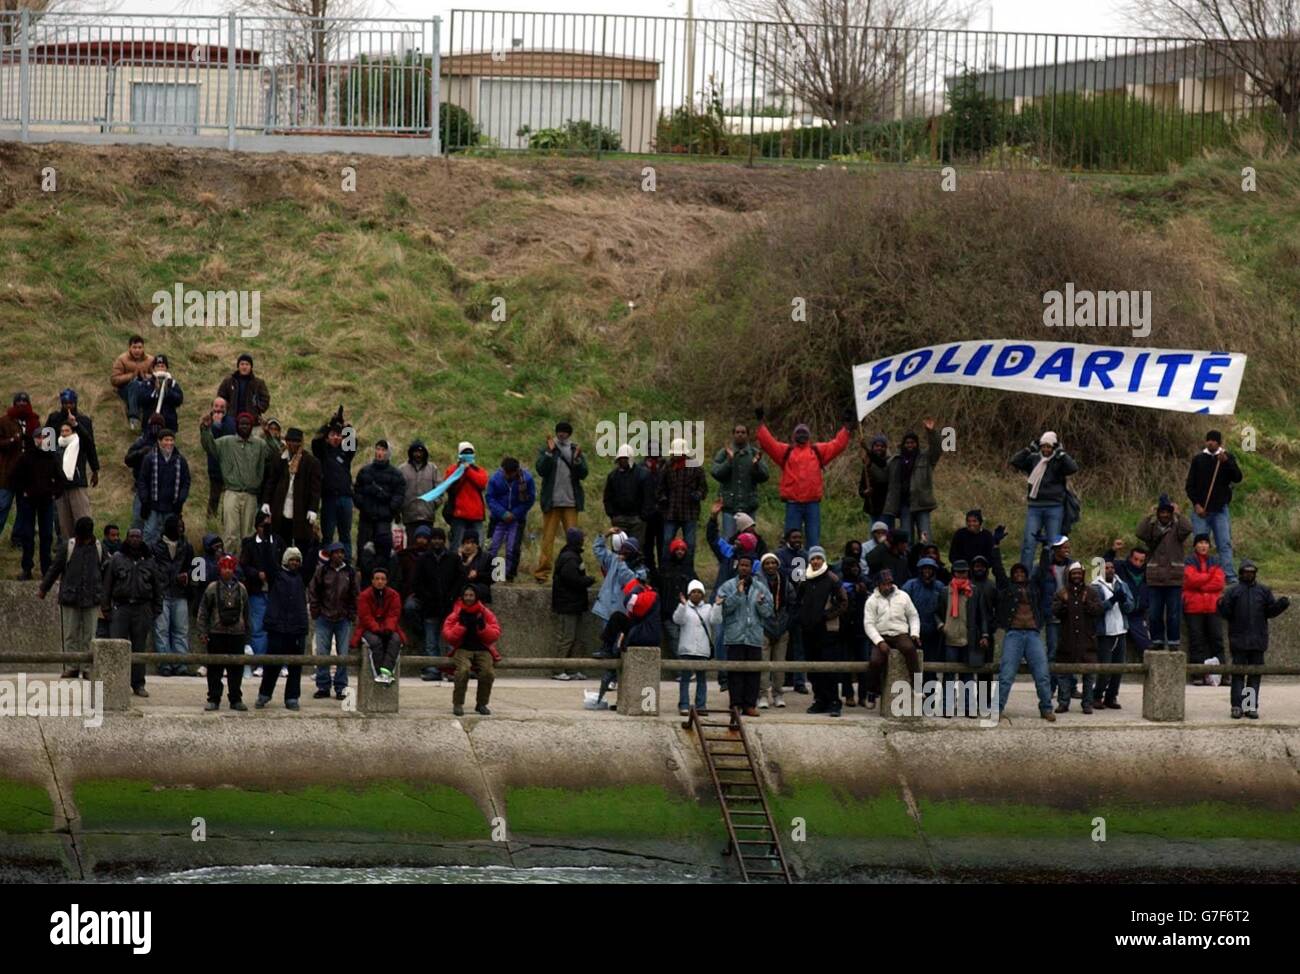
681 489
1078 608
629 494
1047 467
695 620
465 507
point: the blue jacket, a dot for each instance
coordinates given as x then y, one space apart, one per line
743 613
517 496
286 606
617 574
926 599
163 485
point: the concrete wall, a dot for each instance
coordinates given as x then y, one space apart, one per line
357 790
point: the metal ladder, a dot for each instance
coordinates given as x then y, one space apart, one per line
744 805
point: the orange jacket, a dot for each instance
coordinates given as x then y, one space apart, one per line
454 632
801 466
466 495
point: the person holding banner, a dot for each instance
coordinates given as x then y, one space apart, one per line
1209 487
802 463
911 483
1048 466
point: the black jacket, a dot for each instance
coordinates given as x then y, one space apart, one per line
435 583
306 493
820 600
82 574
380 491
1248 609
37 475
133 580
171 567
286 603
481 565
629 493
335 466
259 556
570 583
1202 471
674 575
966 544
85 429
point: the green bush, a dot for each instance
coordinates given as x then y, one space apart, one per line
574 136
457 128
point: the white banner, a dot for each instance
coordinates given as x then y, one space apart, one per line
1159 378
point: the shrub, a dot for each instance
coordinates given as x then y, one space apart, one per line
574 136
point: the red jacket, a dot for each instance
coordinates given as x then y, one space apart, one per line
378 614
454 632
801 466
1203 583
466 495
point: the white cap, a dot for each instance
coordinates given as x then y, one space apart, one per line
695 586
465 447
624 451
616 540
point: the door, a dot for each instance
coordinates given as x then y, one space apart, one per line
506 105
169 109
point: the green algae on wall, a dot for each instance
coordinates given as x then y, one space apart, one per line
396 807
633 810
830 812
24 808
1205 820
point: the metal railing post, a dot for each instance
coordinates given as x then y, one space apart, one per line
435 83
25 75
230 81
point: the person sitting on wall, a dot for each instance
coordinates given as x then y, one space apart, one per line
472 631
379 616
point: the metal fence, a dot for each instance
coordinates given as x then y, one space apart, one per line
241 81
754 90
595 83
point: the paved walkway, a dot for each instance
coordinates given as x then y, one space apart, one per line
523 696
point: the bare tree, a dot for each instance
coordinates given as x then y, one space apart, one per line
305 37
847 61
1259 39
11 10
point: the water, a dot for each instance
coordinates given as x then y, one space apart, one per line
660 873
436 875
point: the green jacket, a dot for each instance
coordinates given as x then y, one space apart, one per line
921 494
243 462
739 477
545 467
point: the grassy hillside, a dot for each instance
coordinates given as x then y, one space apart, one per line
383 299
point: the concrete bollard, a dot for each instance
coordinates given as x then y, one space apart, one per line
1164 690
372 697
112 667
638 683
896 672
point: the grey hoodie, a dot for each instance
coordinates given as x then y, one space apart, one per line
419 480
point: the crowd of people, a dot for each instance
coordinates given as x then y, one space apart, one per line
284 565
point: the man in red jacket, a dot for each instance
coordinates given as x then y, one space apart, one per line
465 508
379 613
801 464
472 631
1203 582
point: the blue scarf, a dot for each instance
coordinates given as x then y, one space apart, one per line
465 460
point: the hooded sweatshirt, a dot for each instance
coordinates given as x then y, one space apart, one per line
421 476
